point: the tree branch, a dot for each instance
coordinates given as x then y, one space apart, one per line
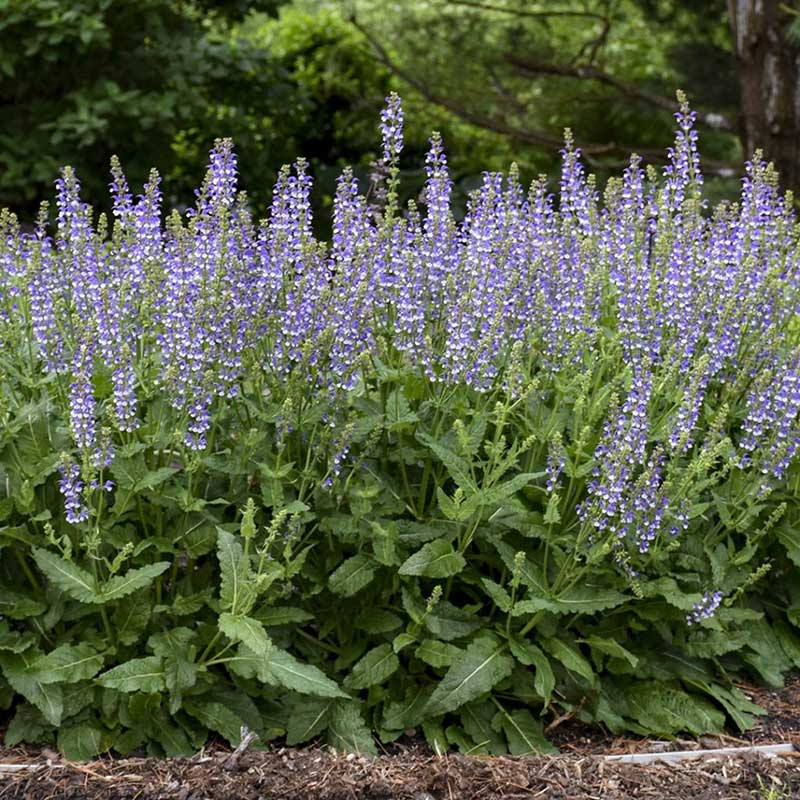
589 150
516 12
531 68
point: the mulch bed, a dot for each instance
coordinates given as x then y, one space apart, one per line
411 772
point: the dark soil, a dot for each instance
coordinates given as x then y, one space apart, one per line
412 772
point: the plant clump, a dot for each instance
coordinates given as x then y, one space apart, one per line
464 477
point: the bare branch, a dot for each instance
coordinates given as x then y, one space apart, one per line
589 150
530 68
518 12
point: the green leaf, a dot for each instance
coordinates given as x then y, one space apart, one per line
552 515
246 630
665 710
476 719
273 616
309 716
458 467
377 620
498 594
448 622
477 670
154 478
529 654
19 605
134 579
218 718
48 698
234 593
68 664
569 655
496 495
790 539
83 740
525 733
137 675
400 715
347 731
373 668
76 582
610 647
437 654
13 641
436 559
177 652
398 411
740 708
132 616
352 575
28 725
285 670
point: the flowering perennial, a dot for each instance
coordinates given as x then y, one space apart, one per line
435 471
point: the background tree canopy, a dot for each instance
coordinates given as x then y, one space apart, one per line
155 81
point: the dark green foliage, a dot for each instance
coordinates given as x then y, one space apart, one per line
429 589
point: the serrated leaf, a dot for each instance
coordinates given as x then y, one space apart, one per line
457 466
477 670
529 654
377 620
68 664
525 733
347 731
436 559
83 740
48 698
569 655
284 669
177 653
154 478
273 616
134 579
352 575
131 617
137 675
18 605
28 725
172 738
373 668
246 630
610 647
437 654
402 640
500 597
665 710
13 641
530 574
495 495
448 622
234 593
70 578
184 605
399 715
740 708
476 719
309 716
398 411
218 718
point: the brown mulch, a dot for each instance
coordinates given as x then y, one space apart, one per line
312 774
412 772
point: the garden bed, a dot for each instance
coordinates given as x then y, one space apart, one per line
413 772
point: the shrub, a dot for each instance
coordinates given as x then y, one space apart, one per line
467 478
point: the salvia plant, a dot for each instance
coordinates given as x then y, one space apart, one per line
468 478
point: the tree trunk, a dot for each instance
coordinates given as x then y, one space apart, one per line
769 69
